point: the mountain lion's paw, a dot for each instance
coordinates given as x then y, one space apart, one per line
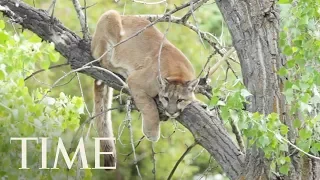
153 136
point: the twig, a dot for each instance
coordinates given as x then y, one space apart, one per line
150 3
281 138
196 23
41 70
160 50
87 7
207 170
155 20
85 15
82 19
205 35
237 133
217 65
234 73
134 147
198 5
52 5
11 14
153 154
89 120
81 91
129 119
207 62
80 69
180 159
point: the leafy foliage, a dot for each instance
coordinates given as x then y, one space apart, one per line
26 113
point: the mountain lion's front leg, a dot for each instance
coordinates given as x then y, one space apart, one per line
148 110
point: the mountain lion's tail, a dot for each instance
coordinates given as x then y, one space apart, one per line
103 102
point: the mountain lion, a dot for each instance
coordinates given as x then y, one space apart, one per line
137 61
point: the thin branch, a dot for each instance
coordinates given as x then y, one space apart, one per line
207 62
160 50
196 23
129 119
41 70
140 140
237 133
155 20
207 170
87 7
81 91
150 3
153 154
180 159
89 120
233 71
217 65
82 19
197 6
52 6
80 69
205 35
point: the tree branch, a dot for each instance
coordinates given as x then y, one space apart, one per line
180 159
208 131
82 19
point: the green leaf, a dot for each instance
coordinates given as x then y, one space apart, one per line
214 100
283 147
297 123
263 141
2 24
305 134
3 36
54 57
284 129
284 1
283 71
304 20
45 64
284 169
290 63
287 50
315 148
2 75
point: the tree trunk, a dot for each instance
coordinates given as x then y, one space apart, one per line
254 27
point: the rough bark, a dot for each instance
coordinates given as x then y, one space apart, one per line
208 131
254 27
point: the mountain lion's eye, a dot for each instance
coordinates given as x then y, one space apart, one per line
166 98
179 100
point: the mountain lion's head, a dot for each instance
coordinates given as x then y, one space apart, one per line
175 96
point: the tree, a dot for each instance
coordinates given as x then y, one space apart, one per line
255 28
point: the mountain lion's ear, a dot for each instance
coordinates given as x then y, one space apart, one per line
163 81
192 84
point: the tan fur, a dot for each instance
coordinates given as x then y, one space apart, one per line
137 61
103 100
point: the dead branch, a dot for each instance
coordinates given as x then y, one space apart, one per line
41 70
217 65
180 159
196 6
82 19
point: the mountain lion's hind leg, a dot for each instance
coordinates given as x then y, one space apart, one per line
148 110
